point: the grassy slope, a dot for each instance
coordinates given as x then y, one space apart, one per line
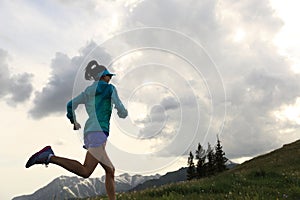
275 175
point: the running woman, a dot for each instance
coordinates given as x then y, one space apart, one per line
98 99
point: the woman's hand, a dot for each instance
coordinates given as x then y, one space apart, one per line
76 126
122 114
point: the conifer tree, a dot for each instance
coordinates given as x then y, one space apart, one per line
191 167
200 157
220 157
210 165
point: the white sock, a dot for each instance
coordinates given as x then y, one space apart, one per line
50 155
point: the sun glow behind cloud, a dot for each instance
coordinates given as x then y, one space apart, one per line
138 113
289 112
239 35
287 40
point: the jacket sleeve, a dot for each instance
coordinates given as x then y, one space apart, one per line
122 112
72 106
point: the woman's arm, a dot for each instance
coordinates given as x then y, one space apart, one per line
72 106
122 112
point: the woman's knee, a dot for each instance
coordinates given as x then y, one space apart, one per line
110 171
86 173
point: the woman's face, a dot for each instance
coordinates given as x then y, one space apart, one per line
106 78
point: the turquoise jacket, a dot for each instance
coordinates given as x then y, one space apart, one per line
98 99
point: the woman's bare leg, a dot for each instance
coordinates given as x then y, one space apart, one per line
76 167
109 181
89 166
101 155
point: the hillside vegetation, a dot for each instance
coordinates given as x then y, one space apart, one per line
275 175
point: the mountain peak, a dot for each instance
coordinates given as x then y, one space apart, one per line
65 187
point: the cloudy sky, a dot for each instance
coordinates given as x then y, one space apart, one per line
186 70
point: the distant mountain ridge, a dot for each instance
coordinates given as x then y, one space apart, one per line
65 187
172 177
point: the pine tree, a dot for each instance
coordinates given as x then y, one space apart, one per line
210 165
200 156
220 157
191 167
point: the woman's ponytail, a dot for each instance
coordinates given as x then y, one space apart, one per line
92 70
88 69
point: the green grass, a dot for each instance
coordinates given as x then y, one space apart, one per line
272 176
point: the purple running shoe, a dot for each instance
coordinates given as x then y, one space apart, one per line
41 157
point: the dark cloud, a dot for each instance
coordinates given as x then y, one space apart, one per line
169 103
21 87
155 122
54 96
15 88
66 80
